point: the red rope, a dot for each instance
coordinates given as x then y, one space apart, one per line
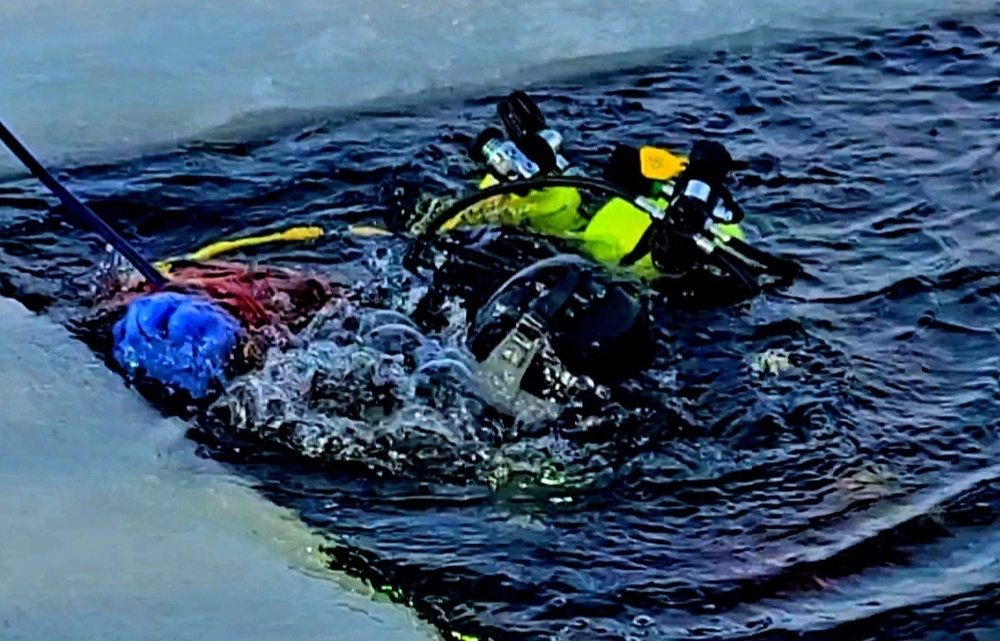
270 303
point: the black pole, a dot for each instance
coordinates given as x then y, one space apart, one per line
81 211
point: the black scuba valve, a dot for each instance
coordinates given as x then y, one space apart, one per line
542 152
528 133
700 194
521 116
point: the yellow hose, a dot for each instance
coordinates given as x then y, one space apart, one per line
295 234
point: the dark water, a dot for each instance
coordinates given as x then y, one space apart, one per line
849 495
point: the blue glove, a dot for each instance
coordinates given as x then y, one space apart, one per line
179 340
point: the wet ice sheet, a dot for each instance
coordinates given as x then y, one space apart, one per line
92 77
112 529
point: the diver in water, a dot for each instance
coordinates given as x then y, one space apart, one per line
560 300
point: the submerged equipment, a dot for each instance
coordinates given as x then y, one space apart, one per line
559 321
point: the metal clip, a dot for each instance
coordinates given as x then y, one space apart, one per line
704 244
650 207
510 359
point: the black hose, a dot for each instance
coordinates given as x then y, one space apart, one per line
728 264
81 211
778 266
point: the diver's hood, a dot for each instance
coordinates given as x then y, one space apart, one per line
560 319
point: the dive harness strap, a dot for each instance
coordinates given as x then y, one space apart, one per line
528 340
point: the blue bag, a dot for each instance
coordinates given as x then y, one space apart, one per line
179 340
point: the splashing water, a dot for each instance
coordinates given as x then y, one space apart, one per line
363 387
